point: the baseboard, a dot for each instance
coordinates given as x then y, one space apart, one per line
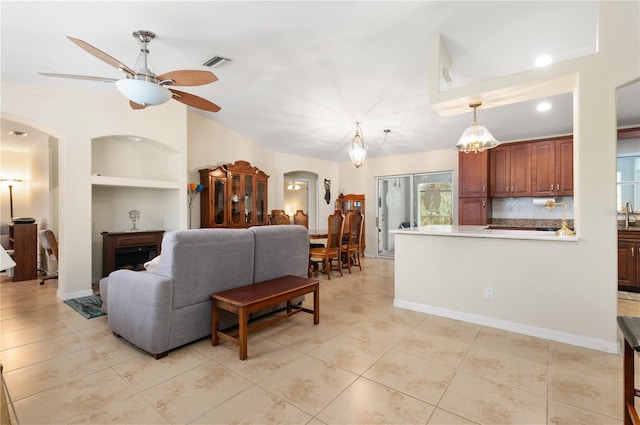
74 295
550 334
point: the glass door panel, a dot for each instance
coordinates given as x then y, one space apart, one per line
260 203
248 200
218 202
393 210
432 198
236 203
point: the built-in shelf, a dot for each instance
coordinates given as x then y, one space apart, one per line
128 182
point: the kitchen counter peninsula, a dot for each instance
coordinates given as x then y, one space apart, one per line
531 282
486 232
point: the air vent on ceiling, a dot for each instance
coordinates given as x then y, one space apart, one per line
216 61
18 133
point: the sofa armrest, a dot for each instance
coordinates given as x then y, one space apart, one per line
139 308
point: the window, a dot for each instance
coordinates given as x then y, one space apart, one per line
433 201
628 182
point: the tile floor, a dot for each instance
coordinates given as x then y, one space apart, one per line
366 362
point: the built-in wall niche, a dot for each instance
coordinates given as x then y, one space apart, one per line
159 210
130 157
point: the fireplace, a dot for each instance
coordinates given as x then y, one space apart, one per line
129 250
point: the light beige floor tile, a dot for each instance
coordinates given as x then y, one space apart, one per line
351 353
191 394
523 346
25 355
377 331
133 410
145 372
563 414
584 360
419 378
366 402
308 383
300 335
117 351
590 392
442 417
98 335
204 347
21 322
78 322
449 328
507 368
79 397
487 402
266 408
443 350
265 357
50 373
52 328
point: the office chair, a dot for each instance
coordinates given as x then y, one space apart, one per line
49 243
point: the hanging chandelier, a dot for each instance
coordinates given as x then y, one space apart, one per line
476 138
359 148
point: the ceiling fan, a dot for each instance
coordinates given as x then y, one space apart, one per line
142 86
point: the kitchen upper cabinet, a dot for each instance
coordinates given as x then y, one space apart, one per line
473 174
628 263
552 167
510 170
474 204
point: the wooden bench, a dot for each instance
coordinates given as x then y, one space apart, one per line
245 300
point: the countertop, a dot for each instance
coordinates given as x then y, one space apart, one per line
628 229
484 232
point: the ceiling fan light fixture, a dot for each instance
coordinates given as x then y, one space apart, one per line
358 149
476 138
143 92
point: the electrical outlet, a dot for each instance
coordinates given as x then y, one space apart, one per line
488 292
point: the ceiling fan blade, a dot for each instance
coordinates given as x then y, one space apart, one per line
194 101
102 56
135 105
188 78
79 77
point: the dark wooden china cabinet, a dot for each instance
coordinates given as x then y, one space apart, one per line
349 203
234 195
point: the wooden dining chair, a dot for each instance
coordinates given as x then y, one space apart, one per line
279 217
301 218
334 242
351 250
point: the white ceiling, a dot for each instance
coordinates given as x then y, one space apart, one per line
302 73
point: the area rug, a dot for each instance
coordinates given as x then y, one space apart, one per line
89 307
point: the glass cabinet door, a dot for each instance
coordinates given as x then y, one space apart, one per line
248 200
218 202
236 200
261 203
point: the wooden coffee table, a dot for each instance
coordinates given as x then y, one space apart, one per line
245 300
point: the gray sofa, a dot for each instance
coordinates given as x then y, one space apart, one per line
172 307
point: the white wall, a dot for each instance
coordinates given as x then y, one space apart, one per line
75 118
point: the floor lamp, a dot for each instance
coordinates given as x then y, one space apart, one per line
11 181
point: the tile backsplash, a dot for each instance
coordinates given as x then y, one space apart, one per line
524 208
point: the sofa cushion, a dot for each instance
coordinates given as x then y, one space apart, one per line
280 250
204 261
152 265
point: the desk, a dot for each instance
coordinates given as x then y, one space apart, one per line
244 300
630 327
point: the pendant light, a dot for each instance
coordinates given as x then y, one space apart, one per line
358 148
476 138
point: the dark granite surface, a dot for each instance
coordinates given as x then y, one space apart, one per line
529 223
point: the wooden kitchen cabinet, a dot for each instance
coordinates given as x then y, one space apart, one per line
628 261
474 204
234 195
510 170
552 167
